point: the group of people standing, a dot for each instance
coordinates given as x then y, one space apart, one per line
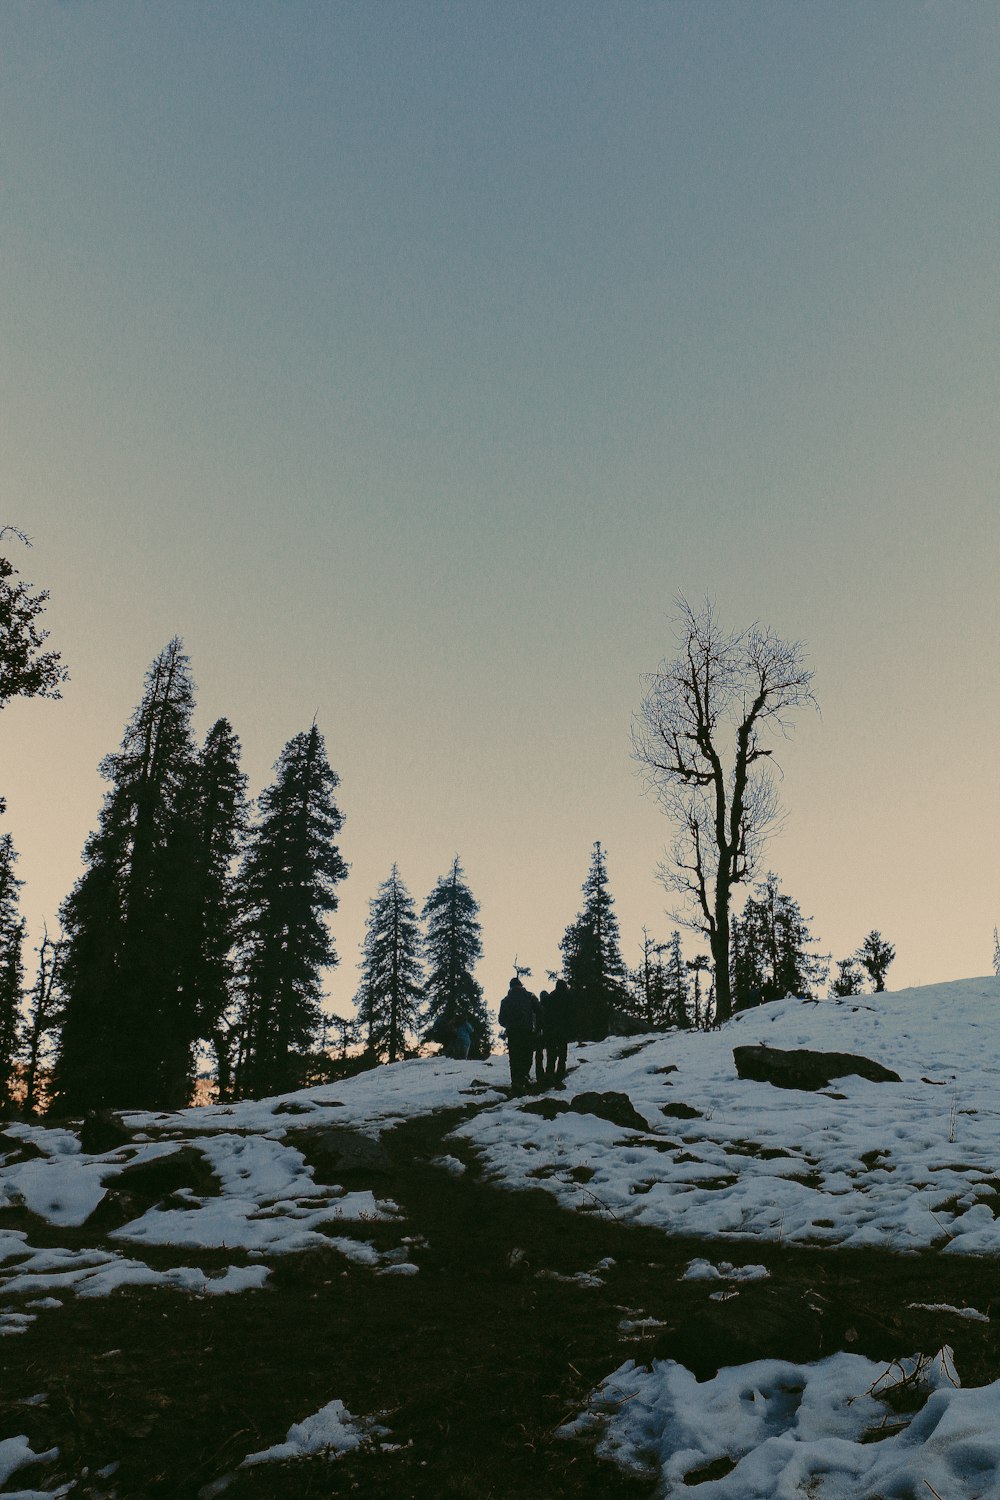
538 1030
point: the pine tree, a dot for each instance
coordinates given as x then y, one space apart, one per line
11 965
676 989
219 820
649 986
127 1034
592 962
388 998
700 964
453 948
770 949
996 952
849 978
875 955
42 1015
287 888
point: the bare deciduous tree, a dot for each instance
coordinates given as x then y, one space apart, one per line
699 737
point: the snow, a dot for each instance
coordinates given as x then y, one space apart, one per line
902 1166
704 1270
792 1429
16 1453
330 1431
899 1166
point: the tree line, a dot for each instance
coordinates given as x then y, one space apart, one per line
200 920
772 954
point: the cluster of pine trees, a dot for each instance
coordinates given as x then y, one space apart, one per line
200 922
196 920
772 955
418 982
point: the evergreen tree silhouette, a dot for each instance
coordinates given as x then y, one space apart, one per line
219 821
11 965
592 962
287 888
43 1010
453 947
770 950
388 998
127 1033
875 955
676 987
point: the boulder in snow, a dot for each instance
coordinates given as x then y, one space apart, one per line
799 1068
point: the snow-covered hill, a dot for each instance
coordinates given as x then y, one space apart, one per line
901 1166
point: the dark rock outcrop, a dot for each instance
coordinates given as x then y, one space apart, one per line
618 1108
338 1155
152 1180
680 1111
547 1108
102 1130
800 1068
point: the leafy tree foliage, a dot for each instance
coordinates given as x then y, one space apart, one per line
875 955
700 737
453 947
392 980
592 962
11 964
128 1029
771 944
26 670
287 889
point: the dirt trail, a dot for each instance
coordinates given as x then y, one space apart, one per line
472 1364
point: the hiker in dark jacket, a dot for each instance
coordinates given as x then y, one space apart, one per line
463 1039
519 1018
541 1036
560 1024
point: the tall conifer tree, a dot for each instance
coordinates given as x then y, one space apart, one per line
388 999
593 966
454 946
127 1035
219 820
770 951
287 889
42 1016
678 993
11 964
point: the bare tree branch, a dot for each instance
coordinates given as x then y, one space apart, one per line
698 738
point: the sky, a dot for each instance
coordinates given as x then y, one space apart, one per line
409 360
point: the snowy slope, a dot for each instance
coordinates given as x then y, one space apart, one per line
903 1166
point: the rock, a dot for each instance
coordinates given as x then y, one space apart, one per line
102 1130
680 1111
335 1153
547 1108
152 1180
800 1068
618 1108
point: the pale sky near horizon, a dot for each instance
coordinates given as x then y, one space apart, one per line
409 360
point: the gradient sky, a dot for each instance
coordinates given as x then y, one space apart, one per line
409 359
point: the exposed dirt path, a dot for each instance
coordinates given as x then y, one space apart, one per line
472 1364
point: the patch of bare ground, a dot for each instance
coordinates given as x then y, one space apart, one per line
472 1364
